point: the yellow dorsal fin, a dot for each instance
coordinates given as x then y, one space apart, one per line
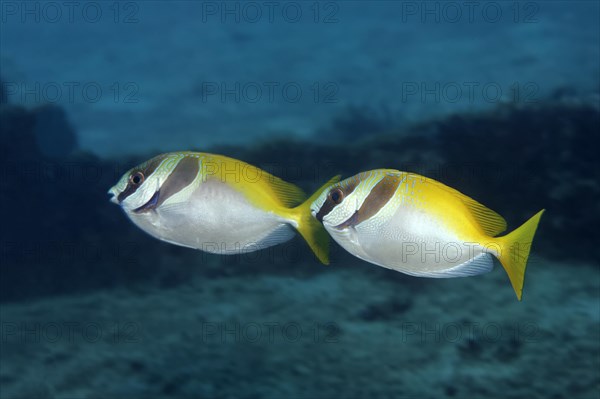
288 194
491 223
259 186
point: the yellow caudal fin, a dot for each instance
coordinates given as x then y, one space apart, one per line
310 228
514 251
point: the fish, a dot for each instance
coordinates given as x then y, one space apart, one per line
217 204
418 226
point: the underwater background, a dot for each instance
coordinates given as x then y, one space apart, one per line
498 99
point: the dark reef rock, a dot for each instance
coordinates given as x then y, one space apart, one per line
54 134
59 232
3 93
17 138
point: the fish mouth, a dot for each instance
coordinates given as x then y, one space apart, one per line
113 193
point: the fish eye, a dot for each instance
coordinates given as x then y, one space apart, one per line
137 178
336 196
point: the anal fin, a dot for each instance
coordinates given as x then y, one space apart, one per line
482 263
282 233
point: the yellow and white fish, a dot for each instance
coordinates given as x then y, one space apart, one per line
418 226
217 204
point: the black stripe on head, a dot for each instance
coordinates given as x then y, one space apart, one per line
379 196
182 176
344 189
143 171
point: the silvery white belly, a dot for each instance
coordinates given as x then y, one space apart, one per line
412 242
217 219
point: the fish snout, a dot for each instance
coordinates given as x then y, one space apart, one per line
113 195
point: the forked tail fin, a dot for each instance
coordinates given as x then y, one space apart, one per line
514 251
310 228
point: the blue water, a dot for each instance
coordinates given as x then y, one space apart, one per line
145 76
500 100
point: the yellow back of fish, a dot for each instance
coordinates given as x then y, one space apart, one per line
462 214
261 188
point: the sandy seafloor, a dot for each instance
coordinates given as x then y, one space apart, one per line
346 330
